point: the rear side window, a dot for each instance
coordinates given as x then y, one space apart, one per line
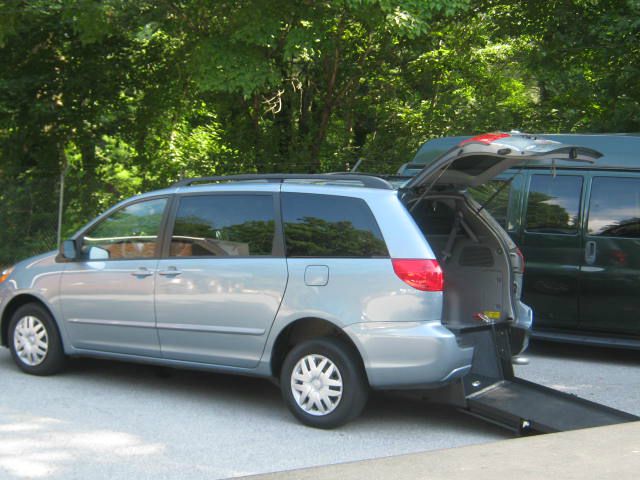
553 205
330 226
223 225
615 207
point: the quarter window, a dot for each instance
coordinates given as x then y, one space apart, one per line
554 204
223 225
615 207
131 232
330 226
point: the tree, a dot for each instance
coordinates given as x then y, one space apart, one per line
134 94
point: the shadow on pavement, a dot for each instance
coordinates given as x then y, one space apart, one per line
262 396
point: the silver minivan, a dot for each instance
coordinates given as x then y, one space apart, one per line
329 284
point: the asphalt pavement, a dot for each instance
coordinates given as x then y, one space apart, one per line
103 419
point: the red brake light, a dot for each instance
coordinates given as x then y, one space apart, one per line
425 275
485 138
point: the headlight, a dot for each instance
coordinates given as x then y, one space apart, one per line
5 274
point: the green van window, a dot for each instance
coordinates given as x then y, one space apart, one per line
615 207
553 205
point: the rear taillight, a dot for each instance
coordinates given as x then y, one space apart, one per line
425 275
519 252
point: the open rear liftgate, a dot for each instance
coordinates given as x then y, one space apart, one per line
492 392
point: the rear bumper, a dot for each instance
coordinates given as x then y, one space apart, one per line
410 355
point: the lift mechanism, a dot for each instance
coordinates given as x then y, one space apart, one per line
492 392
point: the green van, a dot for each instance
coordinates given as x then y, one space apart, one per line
578 227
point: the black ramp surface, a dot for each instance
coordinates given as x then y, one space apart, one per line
512 401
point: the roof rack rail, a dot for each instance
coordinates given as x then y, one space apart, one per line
369 181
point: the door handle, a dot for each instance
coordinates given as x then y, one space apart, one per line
590 252
142 272
170 272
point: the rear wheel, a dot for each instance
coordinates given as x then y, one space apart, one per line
323 383
34 341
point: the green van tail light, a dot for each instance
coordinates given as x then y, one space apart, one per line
421 274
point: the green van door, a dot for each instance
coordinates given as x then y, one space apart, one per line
580 235
551 241
610 275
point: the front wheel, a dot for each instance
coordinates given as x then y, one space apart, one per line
323 383
34 341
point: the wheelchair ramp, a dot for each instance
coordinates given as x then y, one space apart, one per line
492 392
528 407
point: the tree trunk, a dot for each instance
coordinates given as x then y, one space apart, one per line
325 115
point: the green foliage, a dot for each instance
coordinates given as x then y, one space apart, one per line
130 95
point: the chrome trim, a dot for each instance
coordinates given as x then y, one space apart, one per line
211 329
172 326
118 323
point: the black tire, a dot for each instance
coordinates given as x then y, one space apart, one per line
355 389
54 358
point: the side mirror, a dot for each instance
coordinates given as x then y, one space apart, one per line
69 250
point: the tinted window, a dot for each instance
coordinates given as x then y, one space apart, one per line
223 225
554 204
615 207
497 194
330 226
131 232
434 217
